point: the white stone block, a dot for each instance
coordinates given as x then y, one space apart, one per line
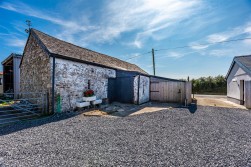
96 102
92 98
82 104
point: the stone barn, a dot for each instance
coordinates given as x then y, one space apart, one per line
239 81
65 71
52 65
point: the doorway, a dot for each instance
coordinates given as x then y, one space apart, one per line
242 92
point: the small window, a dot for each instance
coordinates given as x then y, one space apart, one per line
89 84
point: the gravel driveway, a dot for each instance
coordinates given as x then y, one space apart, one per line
216 100
209 137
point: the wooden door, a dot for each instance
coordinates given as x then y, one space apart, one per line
167 91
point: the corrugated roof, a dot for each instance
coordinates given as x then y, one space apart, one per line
11 56
243 61
59 47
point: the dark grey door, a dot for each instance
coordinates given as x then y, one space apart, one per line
120 90
242 92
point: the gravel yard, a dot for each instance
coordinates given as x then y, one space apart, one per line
209 137
216 100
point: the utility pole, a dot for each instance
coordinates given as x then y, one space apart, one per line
153 61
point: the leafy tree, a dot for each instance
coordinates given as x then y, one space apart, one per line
210 85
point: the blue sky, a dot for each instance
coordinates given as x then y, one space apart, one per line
128 28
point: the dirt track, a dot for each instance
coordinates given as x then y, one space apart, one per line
216 100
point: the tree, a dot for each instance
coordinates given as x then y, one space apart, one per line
210 85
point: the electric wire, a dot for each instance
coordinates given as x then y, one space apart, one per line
226 41
186 46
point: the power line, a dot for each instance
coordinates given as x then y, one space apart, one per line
161 56
138 55
186 46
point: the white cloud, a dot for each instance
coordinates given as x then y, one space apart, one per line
197 46
217 38
229 34
247 42
248 29
4 34
175 55
132 57
14 39
16 42
45 15
145 16
69 28
226 49
244 30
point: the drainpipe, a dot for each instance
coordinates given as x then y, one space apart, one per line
53 83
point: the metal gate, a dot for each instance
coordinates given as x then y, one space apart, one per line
20 106
169 91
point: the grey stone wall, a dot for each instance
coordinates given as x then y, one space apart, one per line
35 74
71 80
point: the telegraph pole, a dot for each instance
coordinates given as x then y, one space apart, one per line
153 61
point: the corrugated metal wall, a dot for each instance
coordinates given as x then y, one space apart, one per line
16 70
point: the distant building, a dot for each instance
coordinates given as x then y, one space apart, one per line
239 81
11 73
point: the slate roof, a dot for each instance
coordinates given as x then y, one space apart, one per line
243 61
65 49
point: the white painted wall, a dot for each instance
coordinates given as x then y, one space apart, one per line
143 89
71 80
233 88
135 89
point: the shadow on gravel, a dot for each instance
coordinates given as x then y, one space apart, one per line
192 108
25 124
